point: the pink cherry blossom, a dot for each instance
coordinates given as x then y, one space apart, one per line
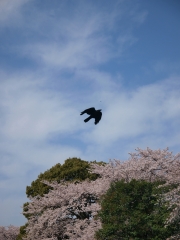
9 233
70 209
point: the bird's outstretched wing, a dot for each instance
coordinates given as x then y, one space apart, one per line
89 111
98 117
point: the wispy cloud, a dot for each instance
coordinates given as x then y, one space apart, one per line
31 110
10 10
152 110
79 39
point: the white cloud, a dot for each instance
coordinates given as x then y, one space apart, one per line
31 111
146 110
10 9
29 114
75 44
74 54
76 39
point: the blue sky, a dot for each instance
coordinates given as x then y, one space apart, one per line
60 57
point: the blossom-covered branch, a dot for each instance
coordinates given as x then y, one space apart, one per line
9 233
69 210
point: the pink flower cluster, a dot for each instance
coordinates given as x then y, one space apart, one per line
9 233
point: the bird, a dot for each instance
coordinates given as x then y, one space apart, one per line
96 114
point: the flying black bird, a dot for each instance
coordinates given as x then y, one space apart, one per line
97 114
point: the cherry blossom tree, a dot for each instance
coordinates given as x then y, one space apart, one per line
69 210
9 233
72 170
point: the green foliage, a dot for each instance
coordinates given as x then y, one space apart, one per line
73 169
135 210
25 209
22 232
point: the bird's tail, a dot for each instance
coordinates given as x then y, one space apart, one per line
87 119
